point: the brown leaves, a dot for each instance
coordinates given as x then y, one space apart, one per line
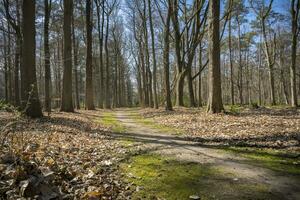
65 156
261 127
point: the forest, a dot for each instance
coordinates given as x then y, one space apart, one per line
149 99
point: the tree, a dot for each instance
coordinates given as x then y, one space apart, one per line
100 20
47 5
75 57
167 59
30 99
230 60
295 8
16 25
67 100
89 96
215 104
153 55
263 12
5 64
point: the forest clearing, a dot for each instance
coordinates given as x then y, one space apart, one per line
149 99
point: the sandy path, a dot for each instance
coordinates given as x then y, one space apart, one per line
287 186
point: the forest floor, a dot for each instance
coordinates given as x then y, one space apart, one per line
152 154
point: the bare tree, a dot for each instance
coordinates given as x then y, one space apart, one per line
153 55
30 100
67 100
215 104
47 5
295 8
89 95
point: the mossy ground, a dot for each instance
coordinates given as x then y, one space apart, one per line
110 119
160 177
152 124
277 160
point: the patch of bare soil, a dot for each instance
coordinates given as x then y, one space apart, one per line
65 156
273 128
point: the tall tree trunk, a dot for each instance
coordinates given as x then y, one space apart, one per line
240 72
31 101
100 21
9 66
295 32
270 62
16 72
259 75
5 64
200 103
167 60
17 56
13 88
178 48
231 62
67 100
215 104
107 103
75 57
47 57
153 56
89 96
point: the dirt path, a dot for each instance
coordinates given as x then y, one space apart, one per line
286 186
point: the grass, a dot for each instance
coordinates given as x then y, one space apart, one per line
166 178
284 162
154 125
109 119
126 142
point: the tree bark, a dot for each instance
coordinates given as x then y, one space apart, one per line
100 37
148 70
295 33
166 60
9 67
240 72
75 57
153 56
67 99
107 103
270 60
178 48
215 104
200 103
47 56
5 64
89 96
32 107
231 62
17 56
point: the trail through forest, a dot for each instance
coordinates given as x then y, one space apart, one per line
280 185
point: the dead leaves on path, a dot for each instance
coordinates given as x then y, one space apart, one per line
62 157
276 128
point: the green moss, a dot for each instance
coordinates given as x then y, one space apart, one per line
110 119
167 178
126 142
235 109
281 161
154 125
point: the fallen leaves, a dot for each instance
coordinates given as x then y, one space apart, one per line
275 128
67 156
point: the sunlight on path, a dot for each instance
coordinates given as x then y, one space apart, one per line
231 176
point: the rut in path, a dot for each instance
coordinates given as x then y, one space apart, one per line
288 186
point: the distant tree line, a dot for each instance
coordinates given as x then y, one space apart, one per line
112 53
